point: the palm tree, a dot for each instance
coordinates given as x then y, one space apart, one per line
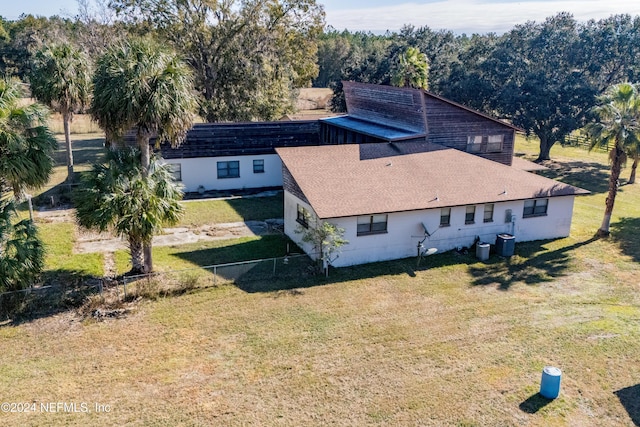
634 153
21 251
26 146
120 196
60 78
140 85
412 70
617 122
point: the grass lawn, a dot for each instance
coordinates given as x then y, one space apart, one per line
458 342
203 212
202 254
60 256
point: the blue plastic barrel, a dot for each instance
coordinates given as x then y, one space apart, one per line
550 383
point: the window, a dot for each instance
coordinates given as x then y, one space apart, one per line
488 212
445 217
258 166
175 169
229 169
537 207
303 217
372 224
474 144
494 143
470 216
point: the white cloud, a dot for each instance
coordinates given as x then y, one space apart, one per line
472 16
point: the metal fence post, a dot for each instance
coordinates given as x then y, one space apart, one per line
274 265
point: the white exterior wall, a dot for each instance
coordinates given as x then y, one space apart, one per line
404 229
291 224
204 171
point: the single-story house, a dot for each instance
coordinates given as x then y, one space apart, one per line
232 156
389 197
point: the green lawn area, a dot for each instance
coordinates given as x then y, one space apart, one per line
59 239
201 254
204 212
457 342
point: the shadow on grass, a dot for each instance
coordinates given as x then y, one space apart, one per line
302 272
85 151
54 197
61 291
630 399
592 176
532 264
276 274
259 208
534 403
269 246
625 232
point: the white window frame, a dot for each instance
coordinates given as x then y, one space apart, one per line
489 209
372 224
302 216
470 215
535 207
445 213
227 167
474 144
495 143
259 166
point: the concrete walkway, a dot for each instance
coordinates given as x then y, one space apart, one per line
89 241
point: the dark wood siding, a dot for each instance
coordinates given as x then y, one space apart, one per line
451 126
289 184
391 106
232 139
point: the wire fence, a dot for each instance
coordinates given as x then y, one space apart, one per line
251 276
48 297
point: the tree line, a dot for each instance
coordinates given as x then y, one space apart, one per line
544 77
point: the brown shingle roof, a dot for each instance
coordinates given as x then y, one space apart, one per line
526 165
338 183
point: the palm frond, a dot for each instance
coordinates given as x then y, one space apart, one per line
139 84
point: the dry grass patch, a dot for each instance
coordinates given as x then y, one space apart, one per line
394 349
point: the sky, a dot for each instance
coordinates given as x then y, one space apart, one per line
460 16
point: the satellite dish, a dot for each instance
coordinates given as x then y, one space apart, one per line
425 253
430 251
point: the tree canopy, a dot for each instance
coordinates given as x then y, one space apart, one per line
537 73
247 56
412 70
